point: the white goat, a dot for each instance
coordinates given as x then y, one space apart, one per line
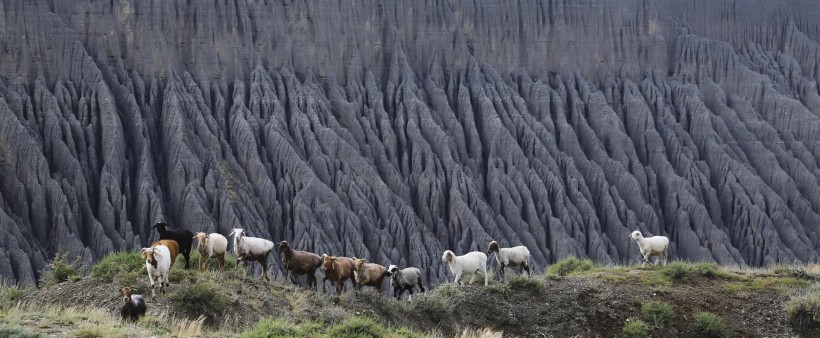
211 245
510 257
251 249
470 263
652 246
404 280
158 263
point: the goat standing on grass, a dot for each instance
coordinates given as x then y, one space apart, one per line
338 269
404 280
184 239
470 263
510 257
368 274
158 261
249 248
299 263
134 305
652 246
211 245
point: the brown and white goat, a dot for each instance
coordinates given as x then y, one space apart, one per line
211 245
134 305
158 261
338 270
299 262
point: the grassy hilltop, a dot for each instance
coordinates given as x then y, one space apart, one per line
573 297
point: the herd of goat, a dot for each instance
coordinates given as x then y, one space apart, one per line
160 257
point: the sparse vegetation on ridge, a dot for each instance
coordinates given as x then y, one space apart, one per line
233 304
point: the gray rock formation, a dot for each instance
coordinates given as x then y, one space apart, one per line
394 130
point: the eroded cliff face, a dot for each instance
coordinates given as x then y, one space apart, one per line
394 130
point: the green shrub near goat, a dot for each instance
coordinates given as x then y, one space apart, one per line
116 265
660 314
569 266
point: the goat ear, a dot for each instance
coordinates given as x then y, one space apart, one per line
364 260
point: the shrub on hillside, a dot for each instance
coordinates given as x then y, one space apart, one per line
117 265
357 327
59 270
275 328
203 298
710 325
677 271
660 314
803 309
635 328
570 265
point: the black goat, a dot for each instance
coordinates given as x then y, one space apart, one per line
183 237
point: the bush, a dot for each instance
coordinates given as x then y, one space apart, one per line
526 282
357 327
117 265
13 332
570 265
803 309
635 328
710 325
60 271
203 298
439 302
658 313
707 269
10 295
677 271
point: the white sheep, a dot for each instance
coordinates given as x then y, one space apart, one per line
510 257
158 263
470 263
251 249
652 246
404 280
211 245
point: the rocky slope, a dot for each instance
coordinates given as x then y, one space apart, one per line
396 129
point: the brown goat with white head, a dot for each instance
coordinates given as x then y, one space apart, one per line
159 259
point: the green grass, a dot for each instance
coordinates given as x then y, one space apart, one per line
16 332
121 266
278 328
353 327
634 328
357 327
660 314
710 325
758 284
570 265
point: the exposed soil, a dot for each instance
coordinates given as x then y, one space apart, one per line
583 306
